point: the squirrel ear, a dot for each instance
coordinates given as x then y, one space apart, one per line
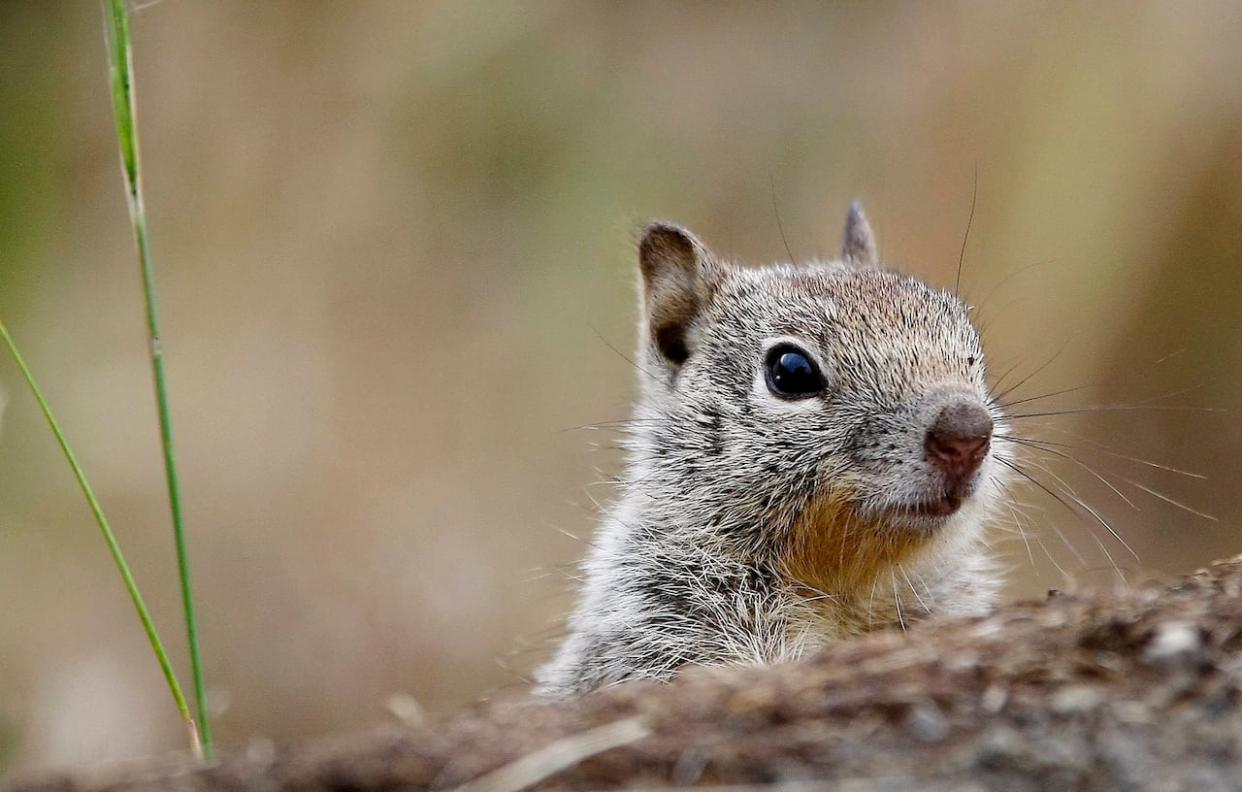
858 246
679 277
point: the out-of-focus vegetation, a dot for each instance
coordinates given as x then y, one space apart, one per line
393 234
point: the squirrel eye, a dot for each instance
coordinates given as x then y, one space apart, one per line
791 373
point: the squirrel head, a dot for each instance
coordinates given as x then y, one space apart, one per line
815 411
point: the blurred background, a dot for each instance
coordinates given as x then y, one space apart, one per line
394 245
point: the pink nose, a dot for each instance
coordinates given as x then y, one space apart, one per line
959 439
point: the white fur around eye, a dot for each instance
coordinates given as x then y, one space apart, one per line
760 380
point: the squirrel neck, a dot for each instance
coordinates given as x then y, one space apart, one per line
845 575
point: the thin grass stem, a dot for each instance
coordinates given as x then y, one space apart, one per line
121 73
114 547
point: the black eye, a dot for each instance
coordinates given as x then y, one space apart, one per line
791 373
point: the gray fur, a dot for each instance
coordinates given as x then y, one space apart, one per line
692 564
858 242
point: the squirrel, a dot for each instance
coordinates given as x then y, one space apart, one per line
811 457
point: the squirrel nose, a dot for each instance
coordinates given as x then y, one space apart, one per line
959 438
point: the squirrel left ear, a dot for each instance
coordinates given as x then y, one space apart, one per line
858 246
679 276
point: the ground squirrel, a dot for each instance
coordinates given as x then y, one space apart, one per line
811 457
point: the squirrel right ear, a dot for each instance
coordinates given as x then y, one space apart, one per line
858 245
679 277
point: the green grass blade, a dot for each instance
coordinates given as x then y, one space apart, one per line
121 73
114 547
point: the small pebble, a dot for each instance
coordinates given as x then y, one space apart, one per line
994 699
1132 712
1076 699
927 724
1173 639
